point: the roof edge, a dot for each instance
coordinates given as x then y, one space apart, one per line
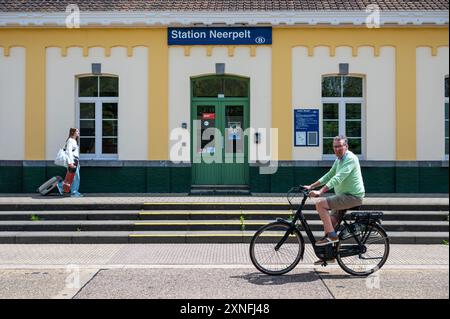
229 18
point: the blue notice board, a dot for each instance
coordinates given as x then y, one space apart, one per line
306 127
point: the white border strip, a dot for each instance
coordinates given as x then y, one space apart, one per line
203 266
202 18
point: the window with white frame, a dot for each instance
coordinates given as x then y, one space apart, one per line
446 116
98 100
342 112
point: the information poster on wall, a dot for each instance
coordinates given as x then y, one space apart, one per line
306 127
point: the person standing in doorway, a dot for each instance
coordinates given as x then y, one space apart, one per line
71 183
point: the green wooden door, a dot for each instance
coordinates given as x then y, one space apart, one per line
219 146
234 169
205 120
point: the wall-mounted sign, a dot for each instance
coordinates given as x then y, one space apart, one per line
306 127
220 36
208 116
234 131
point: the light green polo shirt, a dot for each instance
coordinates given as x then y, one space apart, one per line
345 176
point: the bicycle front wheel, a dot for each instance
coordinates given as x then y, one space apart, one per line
274 251
371 257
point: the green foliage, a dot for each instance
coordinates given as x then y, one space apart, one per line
242 220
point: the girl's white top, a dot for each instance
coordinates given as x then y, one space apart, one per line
72 150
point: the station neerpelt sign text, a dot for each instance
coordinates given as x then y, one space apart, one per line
220 36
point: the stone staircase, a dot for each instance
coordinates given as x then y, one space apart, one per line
193 222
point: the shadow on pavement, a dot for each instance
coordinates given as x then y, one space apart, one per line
262 279
325 275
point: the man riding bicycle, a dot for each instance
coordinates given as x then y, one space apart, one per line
346 179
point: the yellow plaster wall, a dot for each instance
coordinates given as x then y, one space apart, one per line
405 41
37 40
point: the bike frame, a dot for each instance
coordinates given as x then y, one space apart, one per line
299 216
357 249
356 245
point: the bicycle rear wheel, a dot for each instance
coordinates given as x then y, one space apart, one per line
269 260
373 256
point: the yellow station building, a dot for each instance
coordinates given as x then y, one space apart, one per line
132 75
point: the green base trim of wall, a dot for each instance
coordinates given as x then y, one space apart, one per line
376 179
379 179
23 179
11 179
171 179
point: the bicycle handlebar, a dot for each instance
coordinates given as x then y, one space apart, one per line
297 189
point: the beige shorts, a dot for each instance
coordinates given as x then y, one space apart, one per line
338 203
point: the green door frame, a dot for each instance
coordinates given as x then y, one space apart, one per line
221 173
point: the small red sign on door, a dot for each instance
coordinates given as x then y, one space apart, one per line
209 116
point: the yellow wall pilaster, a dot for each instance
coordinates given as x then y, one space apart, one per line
35 120
282 92
158 104
406 101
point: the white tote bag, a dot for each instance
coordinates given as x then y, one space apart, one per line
62 158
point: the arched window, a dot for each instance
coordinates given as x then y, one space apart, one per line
98 100
220 85
343 111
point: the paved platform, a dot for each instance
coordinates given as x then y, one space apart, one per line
186 255
230 285
208 271
410 199
142 201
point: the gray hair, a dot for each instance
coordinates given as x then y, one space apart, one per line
340 138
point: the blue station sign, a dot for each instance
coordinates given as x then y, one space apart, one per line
220 36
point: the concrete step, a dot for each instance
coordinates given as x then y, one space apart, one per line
249 205
192 225
183 237
257 215
220 190
199 215
69 215
231 204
